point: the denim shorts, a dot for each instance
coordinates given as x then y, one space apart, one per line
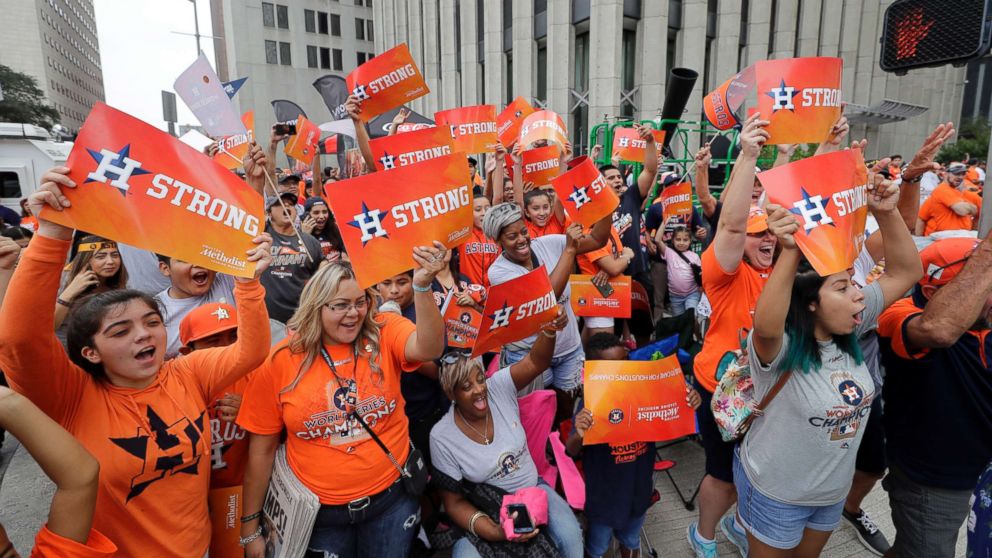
777 524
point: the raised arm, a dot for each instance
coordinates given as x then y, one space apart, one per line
261 458
354 107
256 164
566 263
650 169
773 304
955 307
702 185
835 138
539 358
63 459
902 261
784 153
731 233
516 155
398 120
30 354
598 235
427 342
10 252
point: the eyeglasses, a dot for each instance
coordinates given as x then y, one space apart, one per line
345 307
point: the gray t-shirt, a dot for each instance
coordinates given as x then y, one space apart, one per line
289 272
175 309
802 451
506 462
142 270
548 250
863 267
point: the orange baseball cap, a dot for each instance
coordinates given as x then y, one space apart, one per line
757 220
204 321
945 258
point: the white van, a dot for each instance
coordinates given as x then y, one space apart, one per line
26 152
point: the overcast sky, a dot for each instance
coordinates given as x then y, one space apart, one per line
142 55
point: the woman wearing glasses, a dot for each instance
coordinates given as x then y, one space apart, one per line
339 369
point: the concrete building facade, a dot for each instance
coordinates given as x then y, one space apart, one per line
55 42
591 60
282 46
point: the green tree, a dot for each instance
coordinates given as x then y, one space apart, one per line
23 101
973 141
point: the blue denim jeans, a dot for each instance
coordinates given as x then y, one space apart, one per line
562 525
385 528
682 303
598 536
565 372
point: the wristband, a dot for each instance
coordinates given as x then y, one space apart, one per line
247 518
471 522
549 336
912 180
417 289
245 541
62 302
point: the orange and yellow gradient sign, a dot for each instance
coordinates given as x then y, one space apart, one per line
389 80
800 97
509 121
587 301
473 129
516 310
584 193
409 148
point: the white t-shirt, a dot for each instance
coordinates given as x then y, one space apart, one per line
175 309
548 250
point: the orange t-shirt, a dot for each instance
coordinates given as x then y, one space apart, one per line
476 256
890 325
553 226
228 444
49 545
332 456
732 297
587 261
153 444
937 214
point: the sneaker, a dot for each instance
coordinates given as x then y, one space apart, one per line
700 549
868 533
736 536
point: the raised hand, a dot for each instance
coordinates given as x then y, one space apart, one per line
430 260
261 254
753 136
783 224
923 160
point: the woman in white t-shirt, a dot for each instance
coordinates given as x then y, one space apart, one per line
793 470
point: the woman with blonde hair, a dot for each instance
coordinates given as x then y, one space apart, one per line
334 386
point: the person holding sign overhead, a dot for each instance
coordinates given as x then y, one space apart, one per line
556 252
334 387
794 468
142 417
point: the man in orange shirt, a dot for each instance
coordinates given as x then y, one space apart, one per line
951 206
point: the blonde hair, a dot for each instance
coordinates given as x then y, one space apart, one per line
453 374
308 329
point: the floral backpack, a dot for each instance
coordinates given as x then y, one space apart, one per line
733 404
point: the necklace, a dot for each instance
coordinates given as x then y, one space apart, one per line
485 438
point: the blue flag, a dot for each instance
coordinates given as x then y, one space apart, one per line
232 87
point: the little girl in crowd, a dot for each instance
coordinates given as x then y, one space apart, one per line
542 215
684 271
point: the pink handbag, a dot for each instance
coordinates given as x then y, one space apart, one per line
536 501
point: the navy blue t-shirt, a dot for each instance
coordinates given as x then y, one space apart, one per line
938 410
627 222
619 481
423 396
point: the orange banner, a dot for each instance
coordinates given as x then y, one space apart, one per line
382 216
225 513
408 148
543 125
461 324
636 401
473 129
516 310
231 150
587 301
628 143
829 195
541 165
509 121
141 186
387 81
676 204
303 145
584 193
639 297
800 97
723 103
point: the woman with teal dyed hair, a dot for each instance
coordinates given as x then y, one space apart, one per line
794 468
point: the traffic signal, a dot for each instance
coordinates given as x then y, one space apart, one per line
921 33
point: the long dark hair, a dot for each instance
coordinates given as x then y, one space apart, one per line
803 353
81 263
87 317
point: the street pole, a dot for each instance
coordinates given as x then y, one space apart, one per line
196 24
985 221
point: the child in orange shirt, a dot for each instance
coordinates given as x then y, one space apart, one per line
544 213
479 252
143 418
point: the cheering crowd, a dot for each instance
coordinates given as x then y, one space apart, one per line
140 382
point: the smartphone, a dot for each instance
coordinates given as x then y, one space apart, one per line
285 129
522 524
605 289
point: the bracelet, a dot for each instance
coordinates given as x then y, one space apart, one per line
247 518
912 180
549 336
59 300
471 522
245 541
417 289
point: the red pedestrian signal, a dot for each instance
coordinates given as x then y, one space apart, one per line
922 33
